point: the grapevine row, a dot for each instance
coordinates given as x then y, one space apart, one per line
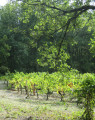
43 82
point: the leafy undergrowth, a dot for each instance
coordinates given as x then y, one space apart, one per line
14 106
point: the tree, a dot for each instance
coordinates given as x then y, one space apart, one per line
56 20
4 49
10 28
71 11
37 24
80 56
18 38
4 53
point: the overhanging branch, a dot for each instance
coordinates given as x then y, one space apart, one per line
76 12
67 26
84 7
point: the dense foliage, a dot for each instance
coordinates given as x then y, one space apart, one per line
46 36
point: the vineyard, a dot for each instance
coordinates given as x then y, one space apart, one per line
71 87
43 83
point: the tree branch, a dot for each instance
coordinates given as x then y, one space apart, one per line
85 7
67 26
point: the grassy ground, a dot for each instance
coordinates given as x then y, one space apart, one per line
14 106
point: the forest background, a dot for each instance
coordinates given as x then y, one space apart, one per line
47 35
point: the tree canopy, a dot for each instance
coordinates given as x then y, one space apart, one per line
47 35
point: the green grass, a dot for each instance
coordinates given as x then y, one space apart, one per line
1 108
39 109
